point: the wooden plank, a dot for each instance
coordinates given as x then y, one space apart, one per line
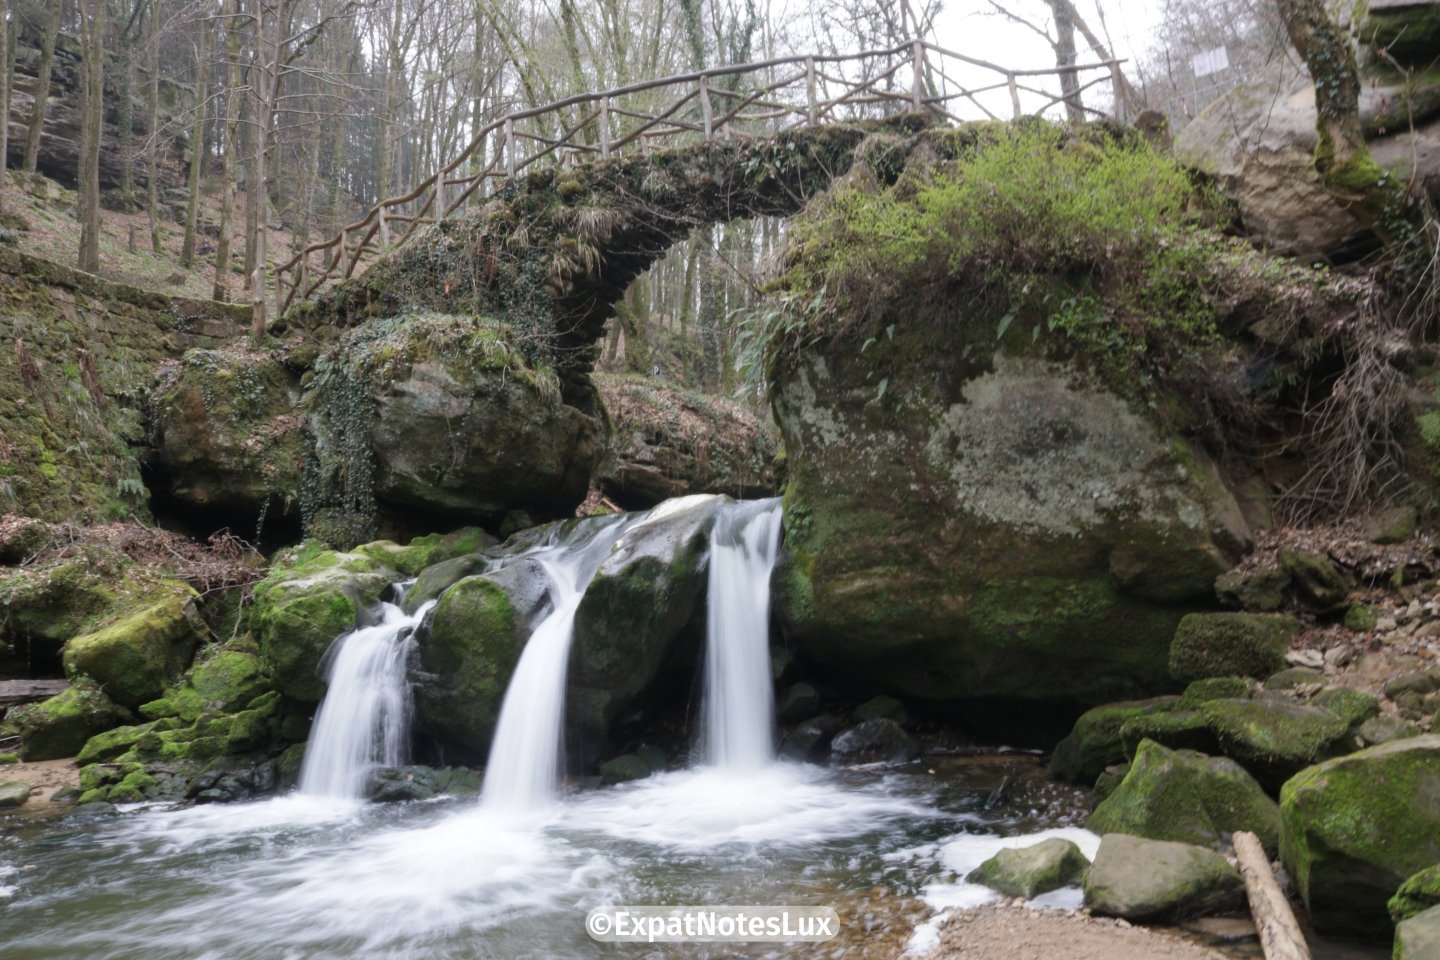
15 692
1280 935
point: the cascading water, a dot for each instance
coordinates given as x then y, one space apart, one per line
739 699
525 753
364 722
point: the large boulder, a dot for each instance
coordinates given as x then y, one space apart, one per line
643 614
1187 797
1231 645
1156 880
1275 739
58 727
666 441
1354 828
309 599
963 522
1095 743
433 416
142 646
1418 938
220 682
227 431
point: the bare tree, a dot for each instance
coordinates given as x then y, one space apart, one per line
92 23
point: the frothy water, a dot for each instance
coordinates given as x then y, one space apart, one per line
739 698
525 755
364 721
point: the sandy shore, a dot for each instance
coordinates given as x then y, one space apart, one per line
1016 933
44 777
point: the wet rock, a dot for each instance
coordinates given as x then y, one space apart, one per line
1154 880
1187 797
1094 743
1416 895
436 579
624 768
423 552
1027 872
883 708
799 701
1353 829
1231 645
810 741
874 741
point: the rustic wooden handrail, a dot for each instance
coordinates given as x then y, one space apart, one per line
707 104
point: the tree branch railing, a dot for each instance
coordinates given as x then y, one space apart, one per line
746 100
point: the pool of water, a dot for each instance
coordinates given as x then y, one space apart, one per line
298 877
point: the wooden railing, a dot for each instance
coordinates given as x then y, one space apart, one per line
749 100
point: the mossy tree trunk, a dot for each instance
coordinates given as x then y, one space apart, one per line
1341 156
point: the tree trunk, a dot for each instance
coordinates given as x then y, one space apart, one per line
88 177
229 149
152 142
1280 935
1065 57
4 89
50 34
197 146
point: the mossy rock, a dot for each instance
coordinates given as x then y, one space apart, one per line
1260 590
1187 797
1378 730
1292 677
1273 739
1215 688
1030 871
1416 895
1353 706
1177 729
1360 617
1230 645
13 793
439 577
60 726
51 604
107 746
1315 579
310 598
1159 881
1354 828
1408 32
222 682
142 647
426 551
1094 743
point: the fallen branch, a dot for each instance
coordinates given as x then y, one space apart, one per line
1280 934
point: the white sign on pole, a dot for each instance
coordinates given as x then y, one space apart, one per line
1211 61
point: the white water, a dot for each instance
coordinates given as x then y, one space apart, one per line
525 754
364 721
739 695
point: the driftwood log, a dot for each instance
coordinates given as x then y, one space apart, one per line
1280 934
15 692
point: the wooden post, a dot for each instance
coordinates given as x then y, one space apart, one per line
917 53
509 146
812 113
1014 94
706 109
1280 935
605 128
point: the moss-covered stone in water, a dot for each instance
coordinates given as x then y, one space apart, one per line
1187 797
1416 895
1354 828
60 726
471 650
222 682
439 577
1273 739
422 552
141 649
624 768
1095 744
1030 871
306 602
1230 645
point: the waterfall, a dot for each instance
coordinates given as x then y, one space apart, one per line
525 753
364 721
739 694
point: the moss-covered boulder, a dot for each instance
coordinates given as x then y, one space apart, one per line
1275 739
1258 590
642 613
437 578
1187 797
1231 645
1094 743
1030 871
469 650
47 605
1177 729
1354 828
666 441
60 726
141 647
228 434
222 681
1315 579
426 551
310 597
1416 895
1156 880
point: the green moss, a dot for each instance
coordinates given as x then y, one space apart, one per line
1094 742
1353 829
143 646
221 682
1214 688
1354 707
112 744
60 726
1231 645
472 648
1416 895
425 551
1178 729
1030 871
1187 797
1360 618
1275 739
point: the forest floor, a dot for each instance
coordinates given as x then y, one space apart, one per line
43 219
